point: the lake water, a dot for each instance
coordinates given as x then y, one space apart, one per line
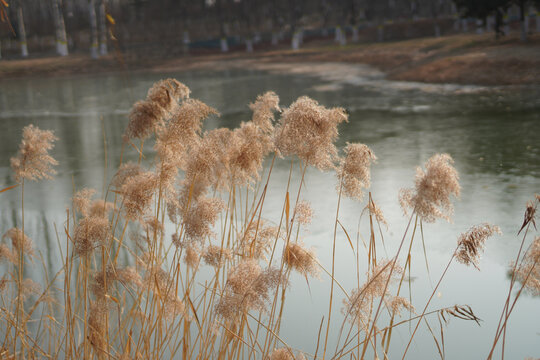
492 134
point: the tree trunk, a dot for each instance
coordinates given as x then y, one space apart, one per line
522 20
60 29
498 23
380 32
93 29
22 31
222 32
102 28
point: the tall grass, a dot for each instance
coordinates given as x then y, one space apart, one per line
176 258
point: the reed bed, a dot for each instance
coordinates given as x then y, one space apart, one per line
130 288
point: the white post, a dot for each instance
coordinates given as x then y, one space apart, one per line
102 28
22 32
249 45
506 22
186 41
337 35
380 33
295 41
224 45
464 25
479 28
275 39
257 38
61 38
355 37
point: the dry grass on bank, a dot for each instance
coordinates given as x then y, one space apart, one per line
462 59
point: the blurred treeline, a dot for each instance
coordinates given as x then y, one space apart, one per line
203 24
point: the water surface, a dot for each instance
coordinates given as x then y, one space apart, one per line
492 134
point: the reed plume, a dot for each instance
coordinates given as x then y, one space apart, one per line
248 288
354 170
471 244
150 115
297 257
303 212
202 216
216 256
281 354
263 111
182 132
528 272
138 193
91 232
309 130
20 242
357 308
126 171
430 198
33 161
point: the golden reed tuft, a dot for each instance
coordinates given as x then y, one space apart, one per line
309 130
430 198
354 171
33 161
471 244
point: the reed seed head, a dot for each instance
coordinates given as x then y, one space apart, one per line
182 132
126 171
248 148
145 118
309 130
247 288
281 354
397 303
166 93
430 198
20 242
217 256
354 170
528 272
193 255
7 254
33 161
82 199
303 212
263 111
138 193
376 211
297 257
201 217
90 233
471 244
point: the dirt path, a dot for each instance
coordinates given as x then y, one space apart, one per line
460 59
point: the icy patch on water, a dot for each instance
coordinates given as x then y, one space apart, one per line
39 113
337 75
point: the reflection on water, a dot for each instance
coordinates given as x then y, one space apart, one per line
491 134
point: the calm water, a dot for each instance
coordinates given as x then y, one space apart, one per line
492 134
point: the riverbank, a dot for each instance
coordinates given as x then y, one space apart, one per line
461 59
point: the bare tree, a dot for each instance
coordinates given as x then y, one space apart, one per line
93 29
22 30
60 29
102 28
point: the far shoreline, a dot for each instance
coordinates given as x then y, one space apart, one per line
468 59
